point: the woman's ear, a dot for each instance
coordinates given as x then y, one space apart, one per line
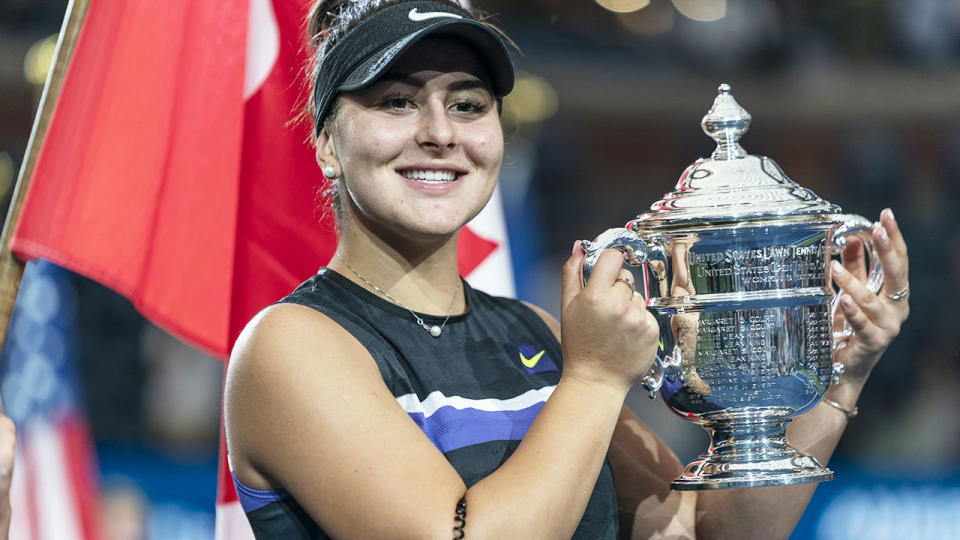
327 155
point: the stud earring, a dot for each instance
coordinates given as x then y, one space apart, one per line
330 172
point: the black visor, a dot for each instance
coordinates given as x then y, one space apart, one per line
361 56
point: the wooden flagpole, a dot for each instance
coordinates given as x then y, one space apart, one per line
11 268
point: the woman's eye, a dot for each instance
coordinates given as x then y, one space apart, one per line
397 102
469 107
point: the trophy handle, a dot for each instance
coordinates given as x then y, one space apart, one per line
636 252
629 243
852 224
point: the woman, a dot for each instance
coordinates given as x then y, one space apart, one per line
322 387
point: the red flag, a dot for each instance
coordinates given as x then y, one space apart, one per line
171 174
136 183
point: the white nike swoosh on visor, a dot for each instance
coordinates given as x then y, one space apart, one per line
415 16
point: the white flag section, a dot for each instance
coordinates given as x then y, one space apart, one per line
44 500
232 523
494 274
263 45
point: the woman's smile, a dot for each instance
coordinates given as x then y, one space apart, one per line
436 180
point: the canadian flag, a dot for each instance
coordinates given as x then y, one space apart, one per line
170 173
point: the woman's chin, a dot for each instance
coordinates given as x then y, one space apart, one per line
434 231
436 220
416 230
432 221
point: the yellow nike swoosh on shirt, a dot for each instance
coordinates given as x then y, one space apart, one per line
531 362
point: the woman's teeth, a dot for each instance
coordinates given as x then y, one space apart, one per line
433 177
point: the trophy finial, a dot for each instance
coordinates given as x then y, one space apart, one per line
726 122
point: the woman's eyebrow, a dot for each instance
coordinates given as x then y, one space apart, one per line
464 84
467 84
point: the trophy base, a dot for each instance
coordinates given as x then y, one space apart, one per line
749 449
702 475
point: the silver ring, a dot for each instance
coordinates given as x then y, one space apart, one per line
901 294
628 282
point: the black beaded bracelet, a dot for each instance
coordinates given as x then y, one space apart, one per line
460 518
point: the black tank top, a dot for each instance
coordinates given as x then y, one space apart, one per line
474 391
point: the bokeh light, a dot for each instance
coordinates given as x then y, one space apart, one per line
532 100
36 65
623 6
7 172
702 10
656 20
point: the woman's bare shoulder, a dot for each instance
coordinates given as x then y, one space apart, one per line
290 341
287 325
284 365
285 336
306 409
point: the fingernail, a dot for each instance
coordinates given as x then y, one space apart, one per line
883 236
576 246
846 301
836 267
890 213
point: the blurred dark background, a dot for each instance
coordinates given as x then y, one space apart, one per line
858 101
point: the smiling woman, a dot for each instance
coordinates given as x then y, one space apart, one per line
426 143
385 397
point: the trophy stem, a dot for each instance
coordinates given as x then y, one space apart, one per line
748 448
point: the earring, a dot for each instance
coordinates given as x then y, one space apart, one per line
330 172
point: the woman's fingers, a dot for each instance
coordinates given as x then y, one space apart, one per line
571 280
854 289
893 255
854 316
625 279
606 271
893 231
8 451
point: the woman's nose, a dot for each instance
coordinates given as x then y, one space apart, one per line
436 131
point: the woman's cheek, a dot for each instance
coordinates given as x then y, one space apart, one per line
488 148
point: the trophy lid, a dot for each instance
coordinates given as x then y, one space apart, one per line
731 185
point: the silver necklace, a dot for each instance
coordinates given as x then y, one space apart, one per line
433 330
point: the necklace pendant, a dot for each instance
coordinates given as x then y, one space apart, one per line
435 331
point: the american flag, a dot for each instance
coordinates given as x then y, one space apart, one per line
54 493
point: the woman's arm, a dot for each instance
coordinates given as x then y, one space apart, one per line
643 467
306 409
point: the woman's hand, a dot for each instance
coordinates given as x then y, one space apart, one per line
607 333
8 446
874 317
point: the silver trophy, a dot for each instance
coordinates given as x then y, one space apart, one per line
734 266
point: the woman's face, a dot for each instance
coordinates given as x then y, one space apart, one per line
419 151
